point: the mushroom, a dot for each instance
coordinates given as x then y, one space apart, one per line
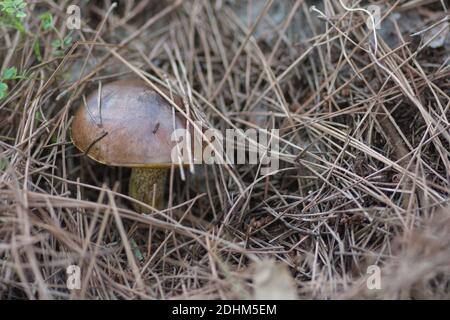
130 125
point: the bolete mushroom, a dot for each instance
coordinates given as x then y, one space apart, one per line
130 125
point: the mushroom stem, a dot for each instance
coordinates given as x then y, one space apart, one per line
147 185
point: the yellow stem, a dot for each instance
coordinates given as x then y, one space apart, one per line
148 185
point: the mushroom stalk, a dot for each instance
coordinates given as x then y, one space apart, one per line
147 185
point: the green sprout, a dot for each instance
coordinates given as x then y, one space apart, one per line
14 8
8 74
60 45
11 13
37 50
3 90
46 21
3 164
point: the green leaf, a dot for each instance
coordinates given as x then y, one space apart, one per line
3 90
38 116
10 73
57 53
3 164
56 43
137 252
37 50
67 41
60 45
14 12
46 20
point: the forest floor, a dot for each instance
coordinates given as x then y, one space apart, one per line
357 209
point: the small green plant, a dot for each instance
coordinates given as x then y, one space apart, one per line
3 164
8 74
37 50
14 8
12 11
3 90
46 21
59 46
37 117
46 24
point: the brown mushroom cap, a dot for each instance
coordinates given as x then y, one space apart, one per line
135 127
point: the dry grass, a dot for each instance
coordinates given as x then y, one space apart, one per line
364 172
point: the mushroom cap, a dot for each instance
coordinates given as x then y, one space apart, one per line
131 128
